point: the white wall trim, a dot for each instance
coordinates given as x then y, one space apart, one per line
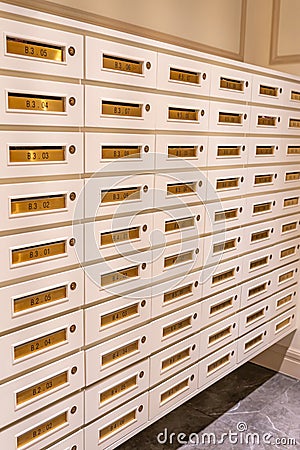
281 359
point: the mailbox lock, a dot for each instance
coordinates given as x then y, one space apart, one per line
295 293
192 377
241 209
271 256
141 374
234 325
72 101
140 408
72 196
73 370
143 340
232 353
73 409
143 303
267 308
196 283
245 116
197 251
246 83
238 268
201 148
72 149
269 282
272 230
265 333
71 51
278 119
200 183
145 227
195 316
242 179
239 239
275 176
280 90
202 112
204 76
276 147
145 188
293 316
243 148
147 107
274 203
73 286
146 148
193 347
74 447
144 265
148 65
235 297
198 218
72 242
73 328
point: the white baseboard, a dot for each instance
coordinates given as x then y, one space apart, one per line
281 359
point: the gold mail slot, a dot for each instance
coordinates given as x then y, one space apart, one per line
178 326
175 390
36 154
42 429
257 290
121 109
119 315
32 49
287 252
219 335
179 224
227 214
292 176
262 207
264 150
218 363
229 151
122 64
268 90
290 201
178 259
267 120
295 95
227 183
259 262
181 188
175 359
119 275
294 123
43 298
117 426
221 306
40 344
293 150
283 324
44 387
253 342
234 85
286 276
37 204
183 114
119 195
224 246
225 117
122 151
185 76
256 316
289 227
223 276
283 301
113 237
32 102
120 353
29 254
182 151
263 179
177 293
260 235
118 390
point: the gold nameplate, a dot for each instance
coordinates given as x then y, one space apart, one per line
38 155
264 150
263 179
114 237
178 293
31 102
293 150
40 344
115 152
120 353
219 363
290 202
295 95
181 188
223 276
233 85
294 123
117 426
120 389
259 262
182 152
267 120
222 306
224 246
29 254
268 90
289 227
174 391
292 176
176 327
260 235
255 341
175 359
119 275
119 315
283 301
262 207
44 387
121 109
283 324
287 252
119 195
183 114
227 183
185 76
257 290
44 298
256 316
122 64
230 118
42 429
37 204
219 335
228 214
179 224
31 49
286 276
229 151
178 259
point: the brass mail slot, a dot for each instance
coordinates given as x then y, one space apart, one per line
292 176
293 150
262 207
267 120
221 306
295 95
177 293
234 118
122 151
259 262
283 301
120 353
219 335
178 326
29 254
110 108
223 276
227 214
31 49
118 390
44 387
174 391
286 276
229 151
183 114
119 315
114 237
218 363
263 179
179 224
37 204
185 76
256 316
122 64
43 298
119 195
287 252
40 344
253 342
290 202
260 235
32 102
178 259
264 150
42 429
181 188
36 154
182 151
257 290
119 275
227 183
234 85
268 90
175 359
117 426
283 324
224 246
289 227
294 123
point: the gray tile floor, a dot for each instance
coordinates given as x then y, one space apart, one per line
256 405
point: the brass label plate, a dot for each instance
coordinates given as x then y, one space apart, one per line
40 344
260 235
283 324
178 293
179 224
29 254
118 390
227 183
31 102
122 64
120 353
116 426
294 123
264 150
256 316
182 152
115 317
286 276
223 276
44 298
267 120
175 390
185 76
218 364
221 306
31 49
119 275
44 387
255 341
233 85
227 214
283 301
292 176
257 290
229 151
37 204
181 188
287 252
37 155
120 195
290 202
219 335
176 327
224 246
234 118
122 151
293 150
114 237
262 207
268 90
42 429
121 109
173 360
263 179
183 114
295 95
178 259
259 262
289 227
